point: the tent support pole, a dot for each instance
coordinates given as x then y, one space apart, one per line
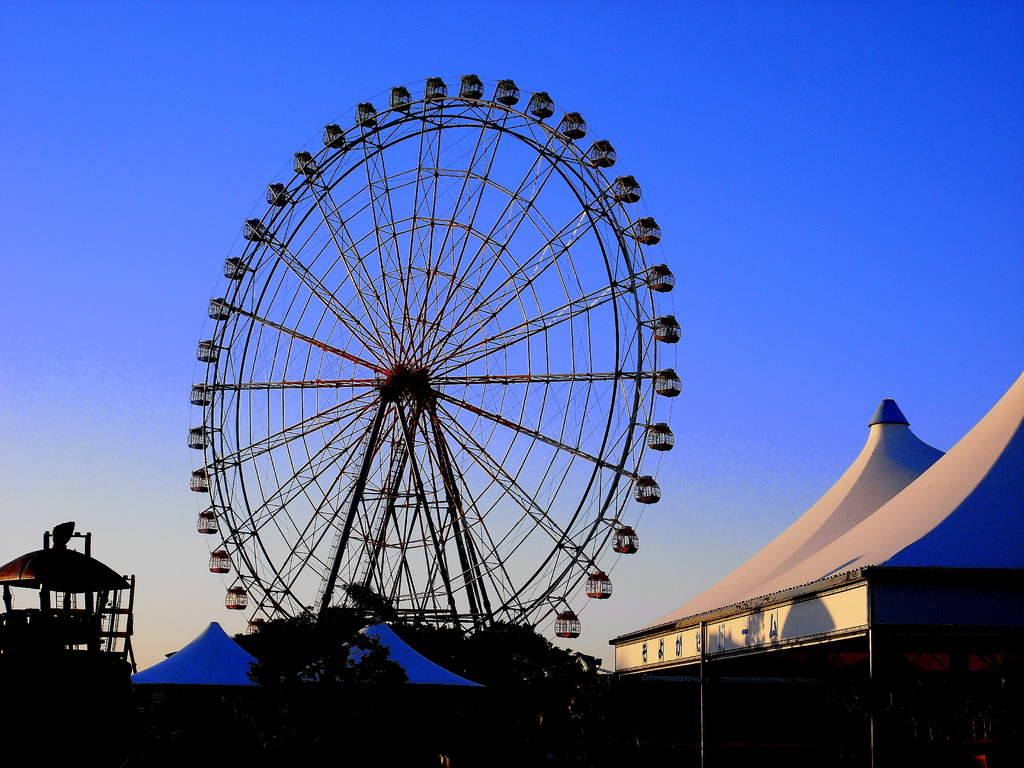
702 636
872 697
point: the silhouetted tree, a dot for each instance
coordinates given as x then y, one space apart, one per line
552 700
329 651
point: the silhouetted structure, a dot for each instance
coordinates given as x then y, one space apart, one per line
84 607
66 653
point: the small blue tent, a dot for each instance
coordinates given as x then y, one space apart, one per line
213 658
419 669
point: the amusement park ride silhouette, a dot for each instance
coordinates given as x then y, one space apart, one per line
84 608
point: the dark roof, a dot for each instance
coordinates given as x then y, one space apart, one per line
60 570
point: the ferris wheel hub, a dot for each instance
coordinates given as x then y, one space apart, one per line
404 382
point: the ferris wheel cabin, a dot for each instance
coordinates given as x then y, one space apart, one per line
234 268
573 126
277 193
334 137
626 541
506 92
541 106
660 437
435 89
237 599
601 154
366 115
471 87
625 189
599 586
220 562
400 98
207 522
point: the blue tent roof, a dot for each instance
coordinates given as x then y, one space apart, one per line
419 669
888 412
212 658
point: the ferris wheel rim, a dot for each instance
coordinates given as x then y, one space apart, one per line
637 405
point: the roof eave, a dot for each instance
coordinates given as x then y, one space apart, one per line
829 582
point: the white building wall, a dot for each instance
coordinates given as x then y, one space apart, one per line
838 612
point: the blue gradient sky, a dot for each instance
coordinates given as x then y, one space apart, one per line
840 188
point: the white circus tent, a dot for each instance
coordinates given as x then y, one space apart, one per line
892 457
905 536
967 511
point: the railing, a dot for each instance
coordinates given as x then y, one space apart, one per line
37 629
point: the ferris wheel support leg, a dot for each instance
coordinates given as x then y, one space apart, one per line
425 505
357 497
480 604
389 510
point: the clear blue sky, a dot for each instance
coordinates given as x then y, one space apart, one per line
840 187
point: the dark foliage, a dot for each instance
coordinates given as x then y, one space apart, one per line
327 692
548 699
551 701
305 652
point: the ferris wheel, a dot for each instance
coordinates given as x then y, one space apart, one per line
434 368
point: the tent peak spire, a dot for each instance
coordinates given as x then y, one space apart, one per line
888 412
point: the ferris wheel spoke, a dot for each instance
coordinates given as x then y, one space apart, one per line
543 378
510 485
456 284
245 386
293 486
366 284
519 279
562 539
544 322
322 294
304 338
319 525
303 428
491 561
405 275
322 512
286 574
509 291
339 231
539 181
536 435
383 215
433 144
473 200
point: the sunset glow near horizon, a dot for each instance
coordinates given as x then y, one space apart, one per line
840 191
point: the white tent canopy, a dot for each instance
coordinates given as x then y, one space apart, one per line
212 658
890 460
419 669
966 511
